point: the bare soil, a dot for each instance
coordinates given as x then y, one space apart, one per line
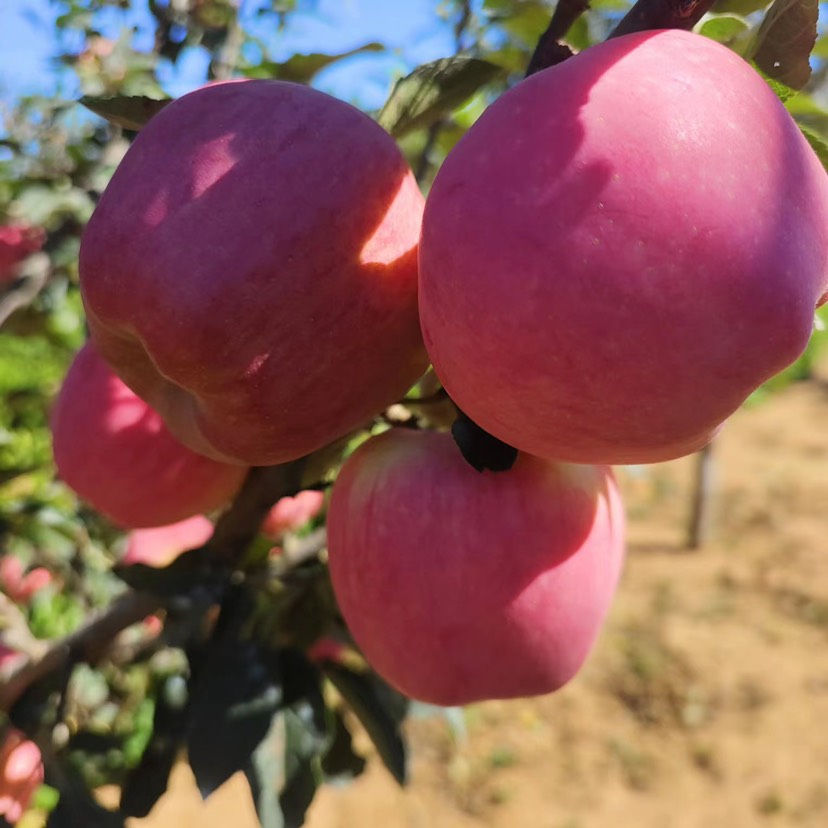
705 702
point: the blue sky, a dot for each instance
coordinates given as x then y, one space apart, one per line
411 28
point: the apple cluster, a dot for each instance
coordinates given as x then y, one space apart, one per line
618 252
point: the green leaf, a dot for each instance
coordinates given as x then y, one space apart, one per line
784 41
723 28
818 144
284 771
193 570
381 711
783 92
433 90
302 68
233 697
740 7
266 774
29 363
820 50
147 782
124 111
341 763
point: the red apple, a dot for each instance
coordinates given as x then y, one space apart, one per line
460 586
289 513
117 454
21 773
251 270
17 241
18 584
161 545
621 249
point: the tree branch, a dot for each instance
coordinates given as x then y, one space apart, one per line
24 292
234 532
550 51
662 14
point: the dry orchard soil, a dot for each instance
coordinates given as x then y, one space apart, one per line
705 702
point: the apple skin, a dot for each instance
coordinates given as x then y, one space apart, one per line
251 270
460 586
291 513
21 774
161 545
621 249
117 454
19 585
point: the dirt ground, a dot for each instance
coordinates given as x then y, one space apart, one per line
705 702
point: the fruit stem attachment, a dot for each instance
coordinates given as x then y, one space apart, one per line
481 450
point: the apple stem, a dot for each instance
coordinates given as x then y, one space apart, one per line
698 533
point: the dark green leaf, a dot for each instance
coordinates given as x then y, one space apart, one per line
233 697
127 112
306 739
284 772
341 763
265 772
192 571
148 782
77 807
785 39
381 711
433 90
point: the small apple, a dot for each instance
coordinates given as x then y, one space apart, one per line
17 241
117 454
161 545
291 513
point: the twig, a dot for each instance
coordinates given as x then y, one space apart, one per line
550 51
698 530
27 289
425 163
662 14
224 66
89 643
94 640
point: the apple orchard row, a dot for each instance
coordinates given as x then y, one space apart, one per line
617 253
